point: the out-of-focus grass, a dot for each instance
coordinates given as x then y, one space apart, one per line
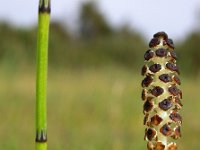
93 109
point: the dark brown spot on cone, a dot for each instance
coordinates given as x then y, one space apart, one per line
144 70
156 120
150 134
180 94
165 78
146 117
144 94
177 132
155 68
161 52
176 79
172 67
178 101
154 42
175 117
170 43
159 146
147 81
166 130
173 55
161 34
174 90
148 105
157 91
165 104
172 146
148 55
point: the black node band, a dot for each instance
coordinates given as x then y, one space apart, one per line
45 9
41 137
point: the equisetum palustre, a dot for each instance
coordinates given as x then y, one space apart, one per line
161 94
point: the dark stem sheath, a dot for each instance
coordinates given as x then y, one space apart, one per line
45 7
41 136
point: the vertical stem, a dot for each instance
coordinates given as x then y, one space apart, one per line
41 75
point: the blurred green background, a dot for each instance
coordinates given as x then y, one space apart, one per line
93 86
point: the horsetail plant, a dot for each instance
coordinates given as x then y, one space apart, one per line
161 94
41 75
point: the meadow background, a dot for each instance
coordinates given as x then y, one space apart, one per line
94 92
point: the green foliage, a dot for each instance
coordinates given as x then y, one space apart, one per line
65 50
189 52
91 109
106 46
92 22
17 45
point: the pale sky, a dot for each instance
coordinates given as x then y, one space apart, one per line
176 17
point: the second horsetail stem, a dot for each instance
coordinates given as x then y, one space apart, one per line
41 75
161 94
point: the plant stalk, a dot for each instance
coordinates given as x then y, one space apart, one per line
41 74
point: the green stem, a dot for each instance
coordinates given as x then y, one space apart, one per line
41 75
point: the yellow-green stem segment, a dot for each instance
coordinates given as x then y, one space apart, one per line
41 75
